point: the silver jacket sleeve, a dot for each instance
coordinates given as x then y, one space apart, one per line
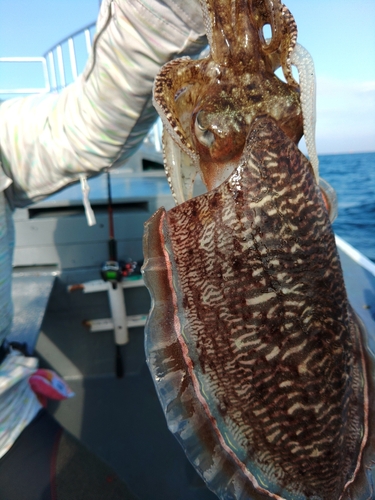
48 140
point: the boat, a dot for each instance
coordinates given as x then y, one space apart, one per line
63 310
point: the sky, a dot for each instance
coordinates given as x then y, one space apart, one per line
339 34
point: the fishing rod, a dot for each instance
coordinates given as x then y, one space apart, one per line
113 272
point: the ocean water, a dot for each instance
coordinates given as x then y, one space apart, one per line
353 178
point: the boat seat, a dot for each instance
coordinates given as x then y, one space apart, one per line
31 290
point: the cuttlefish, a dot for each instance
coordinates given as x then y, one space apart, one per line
260 363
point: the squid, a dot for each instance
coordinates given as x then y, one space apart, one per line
260 363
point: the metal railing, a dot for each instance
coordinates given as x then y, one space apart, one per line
63 69
60 67
59 64
28 90
61 59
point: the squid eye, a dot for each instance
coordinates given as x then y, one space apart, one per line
203 134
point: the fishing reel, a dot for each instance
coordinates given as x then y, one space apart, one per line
114 271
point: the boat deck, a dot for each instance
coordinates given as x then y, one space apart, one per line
119 419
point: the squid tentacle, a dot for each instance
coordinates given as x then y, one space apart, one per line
288 44
304 63
169 82
275 21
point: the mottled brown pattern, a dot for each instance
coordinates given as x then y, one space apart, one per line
225 91
257 357
286 373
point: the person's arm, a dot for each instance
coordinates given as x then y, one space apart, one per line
47 140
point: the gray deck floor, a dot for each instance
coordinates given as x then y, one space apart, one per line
119 419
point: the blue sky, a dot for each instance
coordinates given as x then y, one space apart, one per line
340 35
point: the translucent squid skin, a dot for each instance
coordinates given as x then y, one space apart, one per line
260 364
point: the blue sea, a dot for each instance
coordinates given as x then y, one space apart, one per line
353 178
